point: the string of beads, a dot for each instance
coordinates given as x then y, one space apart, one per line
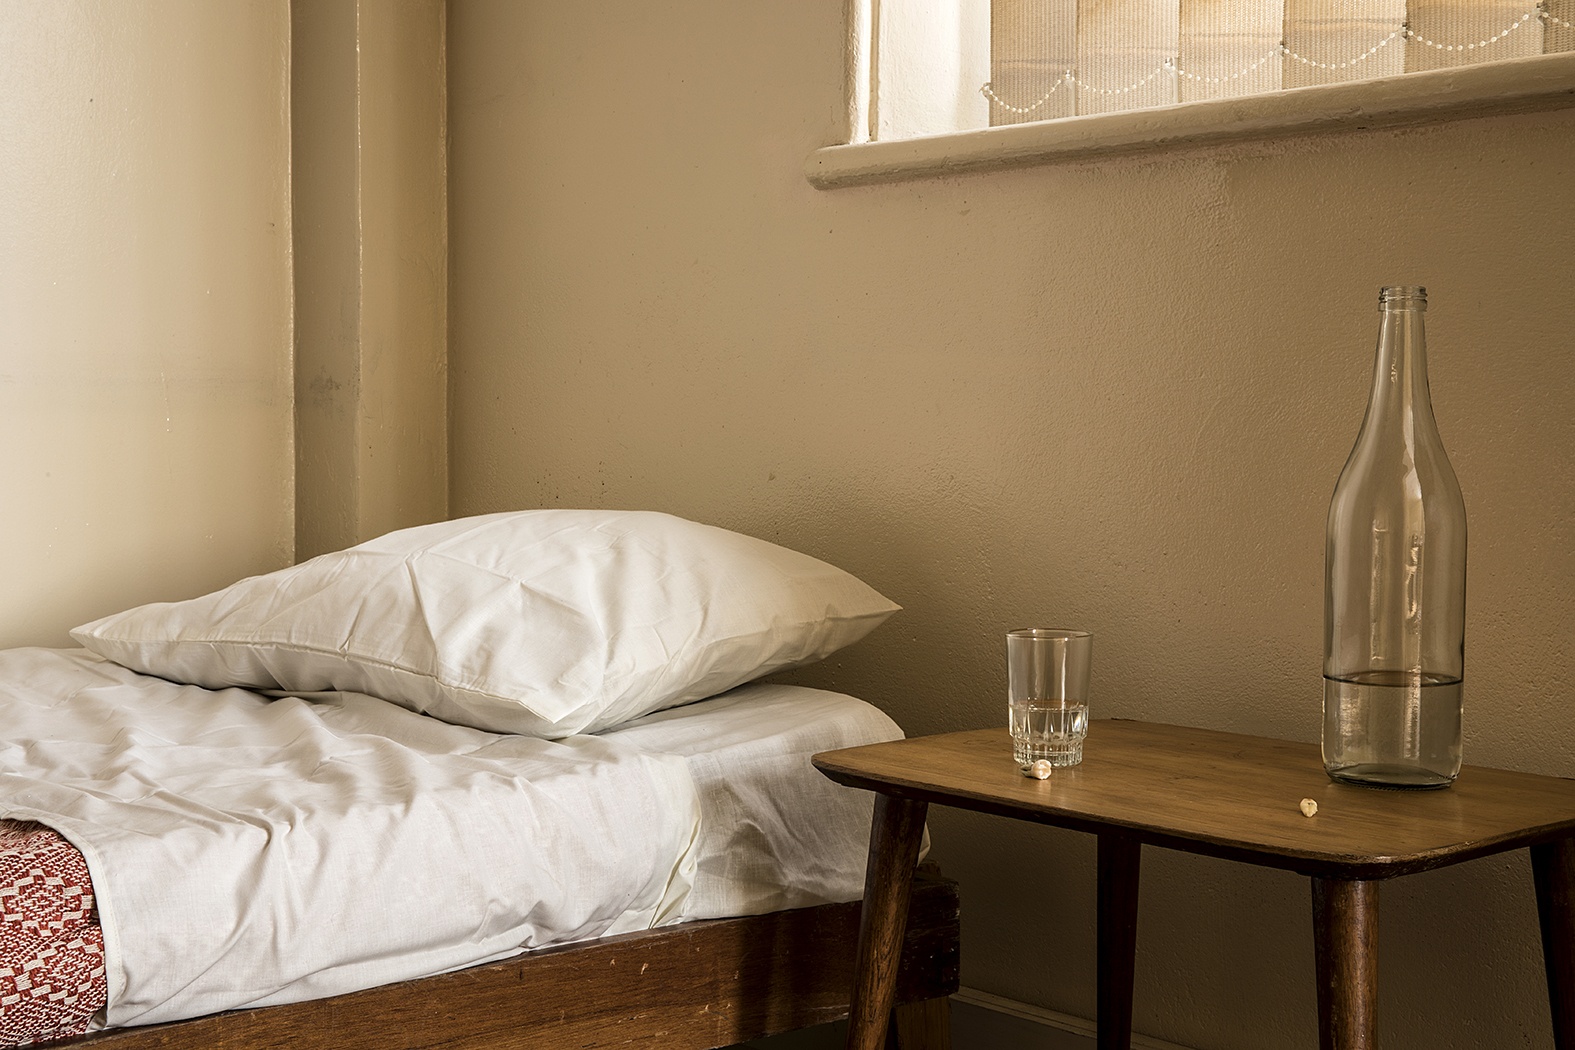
1282 50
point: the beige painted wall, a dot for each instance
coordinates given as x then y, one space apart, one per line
1109 395
145 402
146 358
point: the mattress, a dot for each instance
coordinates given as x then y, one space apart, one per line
247 850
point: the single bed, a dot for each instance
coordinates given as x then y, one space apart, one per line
332 807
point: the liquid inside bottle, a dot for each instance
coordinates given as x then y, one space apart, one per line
1391 729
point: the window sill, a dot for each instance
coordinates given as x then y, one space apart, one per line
1541 82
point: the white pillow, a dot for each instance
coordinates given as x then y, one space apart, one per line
546 622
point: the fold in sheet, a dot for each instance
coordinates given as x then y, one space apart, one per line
774 832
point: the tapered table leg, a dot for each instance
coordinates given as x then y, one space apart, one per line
895 834
1119 856
1553 869
1345 934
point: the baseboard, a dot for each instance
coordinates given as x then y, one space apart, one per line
982 1021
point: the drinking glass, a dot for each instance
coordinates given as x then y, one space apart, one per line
1047 695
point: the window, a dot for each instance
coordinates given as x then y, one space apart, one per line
937 84
1058 58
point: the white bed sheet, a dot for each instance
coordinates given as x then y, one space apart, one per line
248 851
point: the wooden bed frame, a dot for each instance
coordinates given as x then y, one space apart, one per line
695 986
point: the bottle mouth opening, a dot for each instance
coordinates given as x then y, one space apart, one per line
1402 295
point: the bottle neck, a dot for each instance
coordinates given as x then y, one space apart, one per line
1400 388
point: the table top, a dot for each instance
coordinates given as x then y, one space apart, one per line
1223 794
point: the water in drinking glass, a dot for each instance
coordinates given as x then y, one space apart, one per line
1052 730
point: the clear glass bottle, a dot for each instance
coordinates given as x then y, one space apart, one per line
1395 579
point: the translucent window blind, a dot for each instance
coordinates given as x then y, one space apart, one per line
1060 58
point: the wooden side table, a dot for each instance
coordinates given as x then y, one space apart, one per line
1220 795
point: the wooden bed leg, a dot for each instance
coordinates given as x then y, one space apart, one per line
925 1025
895 835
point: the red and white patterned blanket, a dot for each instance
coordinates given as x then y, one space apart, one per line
51 948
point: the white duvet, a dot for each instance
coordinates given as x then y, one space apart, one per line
248 851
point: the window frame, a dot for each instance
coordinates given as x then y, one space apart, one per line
1518 85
